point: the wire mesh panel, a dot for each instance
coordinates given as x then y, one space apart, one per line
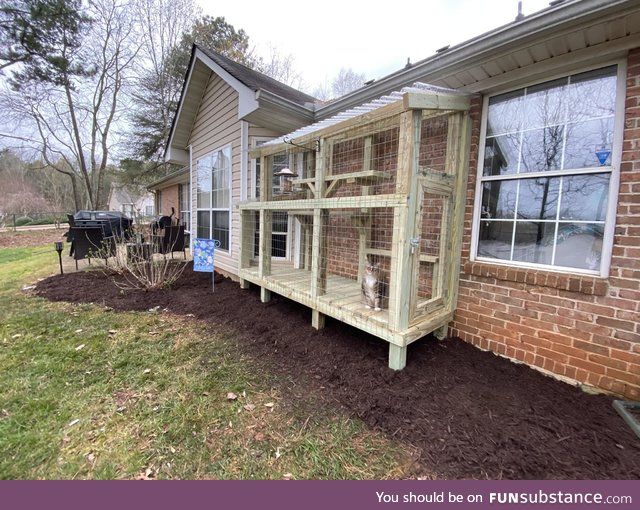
355 222
430 285
434 140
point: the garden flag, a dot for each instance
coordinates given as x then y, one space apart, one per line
203 256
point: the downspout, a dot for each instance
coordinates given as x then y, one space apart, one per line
192 214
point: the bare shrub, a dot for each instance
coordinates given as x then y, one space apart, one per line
139 267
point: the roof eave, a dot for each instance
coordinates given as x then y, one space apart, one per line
532 27
173 178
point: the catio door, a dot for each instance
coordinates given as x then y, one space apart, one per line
432 245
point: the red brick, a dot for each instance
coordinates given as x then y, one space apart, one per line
616 323
591 347
608 362
623 376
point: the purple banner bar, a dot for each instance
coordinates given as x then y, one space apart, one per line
316 495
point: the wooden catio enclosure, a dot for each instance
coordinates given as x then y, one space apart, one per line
384 182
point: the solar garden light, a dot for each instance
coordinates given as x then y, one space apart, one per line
59 246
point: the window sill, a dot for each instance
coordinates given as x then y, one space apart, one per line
583 284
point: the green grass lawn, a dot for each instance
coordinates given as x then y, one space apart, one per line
92 393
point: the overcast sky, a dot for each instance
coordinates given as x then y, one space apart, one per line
374 38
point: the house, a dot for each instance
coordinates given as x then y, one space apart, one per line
541 245
134 202
225 109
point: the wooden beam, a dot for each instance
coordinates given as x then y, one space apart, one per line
435 101
404 257
391 200
462 145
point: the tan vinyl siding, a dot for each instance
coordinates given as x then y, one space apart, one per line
216 126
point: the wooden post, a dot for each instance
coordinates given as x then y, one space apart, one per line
403 257
318 241
264 253
364 225
461 168
397 357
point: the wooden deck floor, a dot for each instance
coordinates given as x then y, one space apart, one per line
343 295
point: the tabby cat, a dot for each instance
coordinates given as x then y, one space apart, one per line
372 286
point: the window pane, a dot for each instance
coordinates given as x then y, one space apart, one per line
538 199
279 245
203 169
495 239
204 224
579 245
499 199
585 139
221 228
280 221
592 94
534 242
501 154
542 149
505 113
585 197
545 104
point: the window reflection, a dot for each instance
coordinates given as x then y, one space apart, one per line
501 154
585 197
538 198
542 149
561 126
533 242
495 239
579 245
499 199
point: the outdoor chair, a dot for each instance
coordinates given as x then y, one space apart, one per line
172 239
91 242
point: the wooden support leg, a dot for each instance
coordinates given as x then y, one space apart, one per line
265 295
317 319
397 357
442 332
244 284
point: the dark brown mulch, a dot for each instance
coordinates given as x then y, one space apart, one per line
469 413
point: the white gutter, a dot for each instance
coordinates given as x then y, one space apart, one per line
557 18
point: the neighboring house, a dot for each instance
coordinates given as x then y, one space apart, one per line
549 270
133 202
173 191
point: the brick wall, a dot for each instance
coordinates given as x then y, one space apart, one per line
170 198
581 328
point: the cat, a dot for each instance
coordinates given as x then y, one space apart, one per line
372 286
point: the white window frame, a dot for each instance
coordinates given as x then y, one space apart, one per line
212 209
184 192
256 141
613 169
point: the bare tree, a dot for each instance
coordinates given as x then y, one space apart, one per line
159 74
73 117
347 80
282 68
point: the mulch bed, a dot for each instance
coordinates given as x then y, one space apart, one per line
467 413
